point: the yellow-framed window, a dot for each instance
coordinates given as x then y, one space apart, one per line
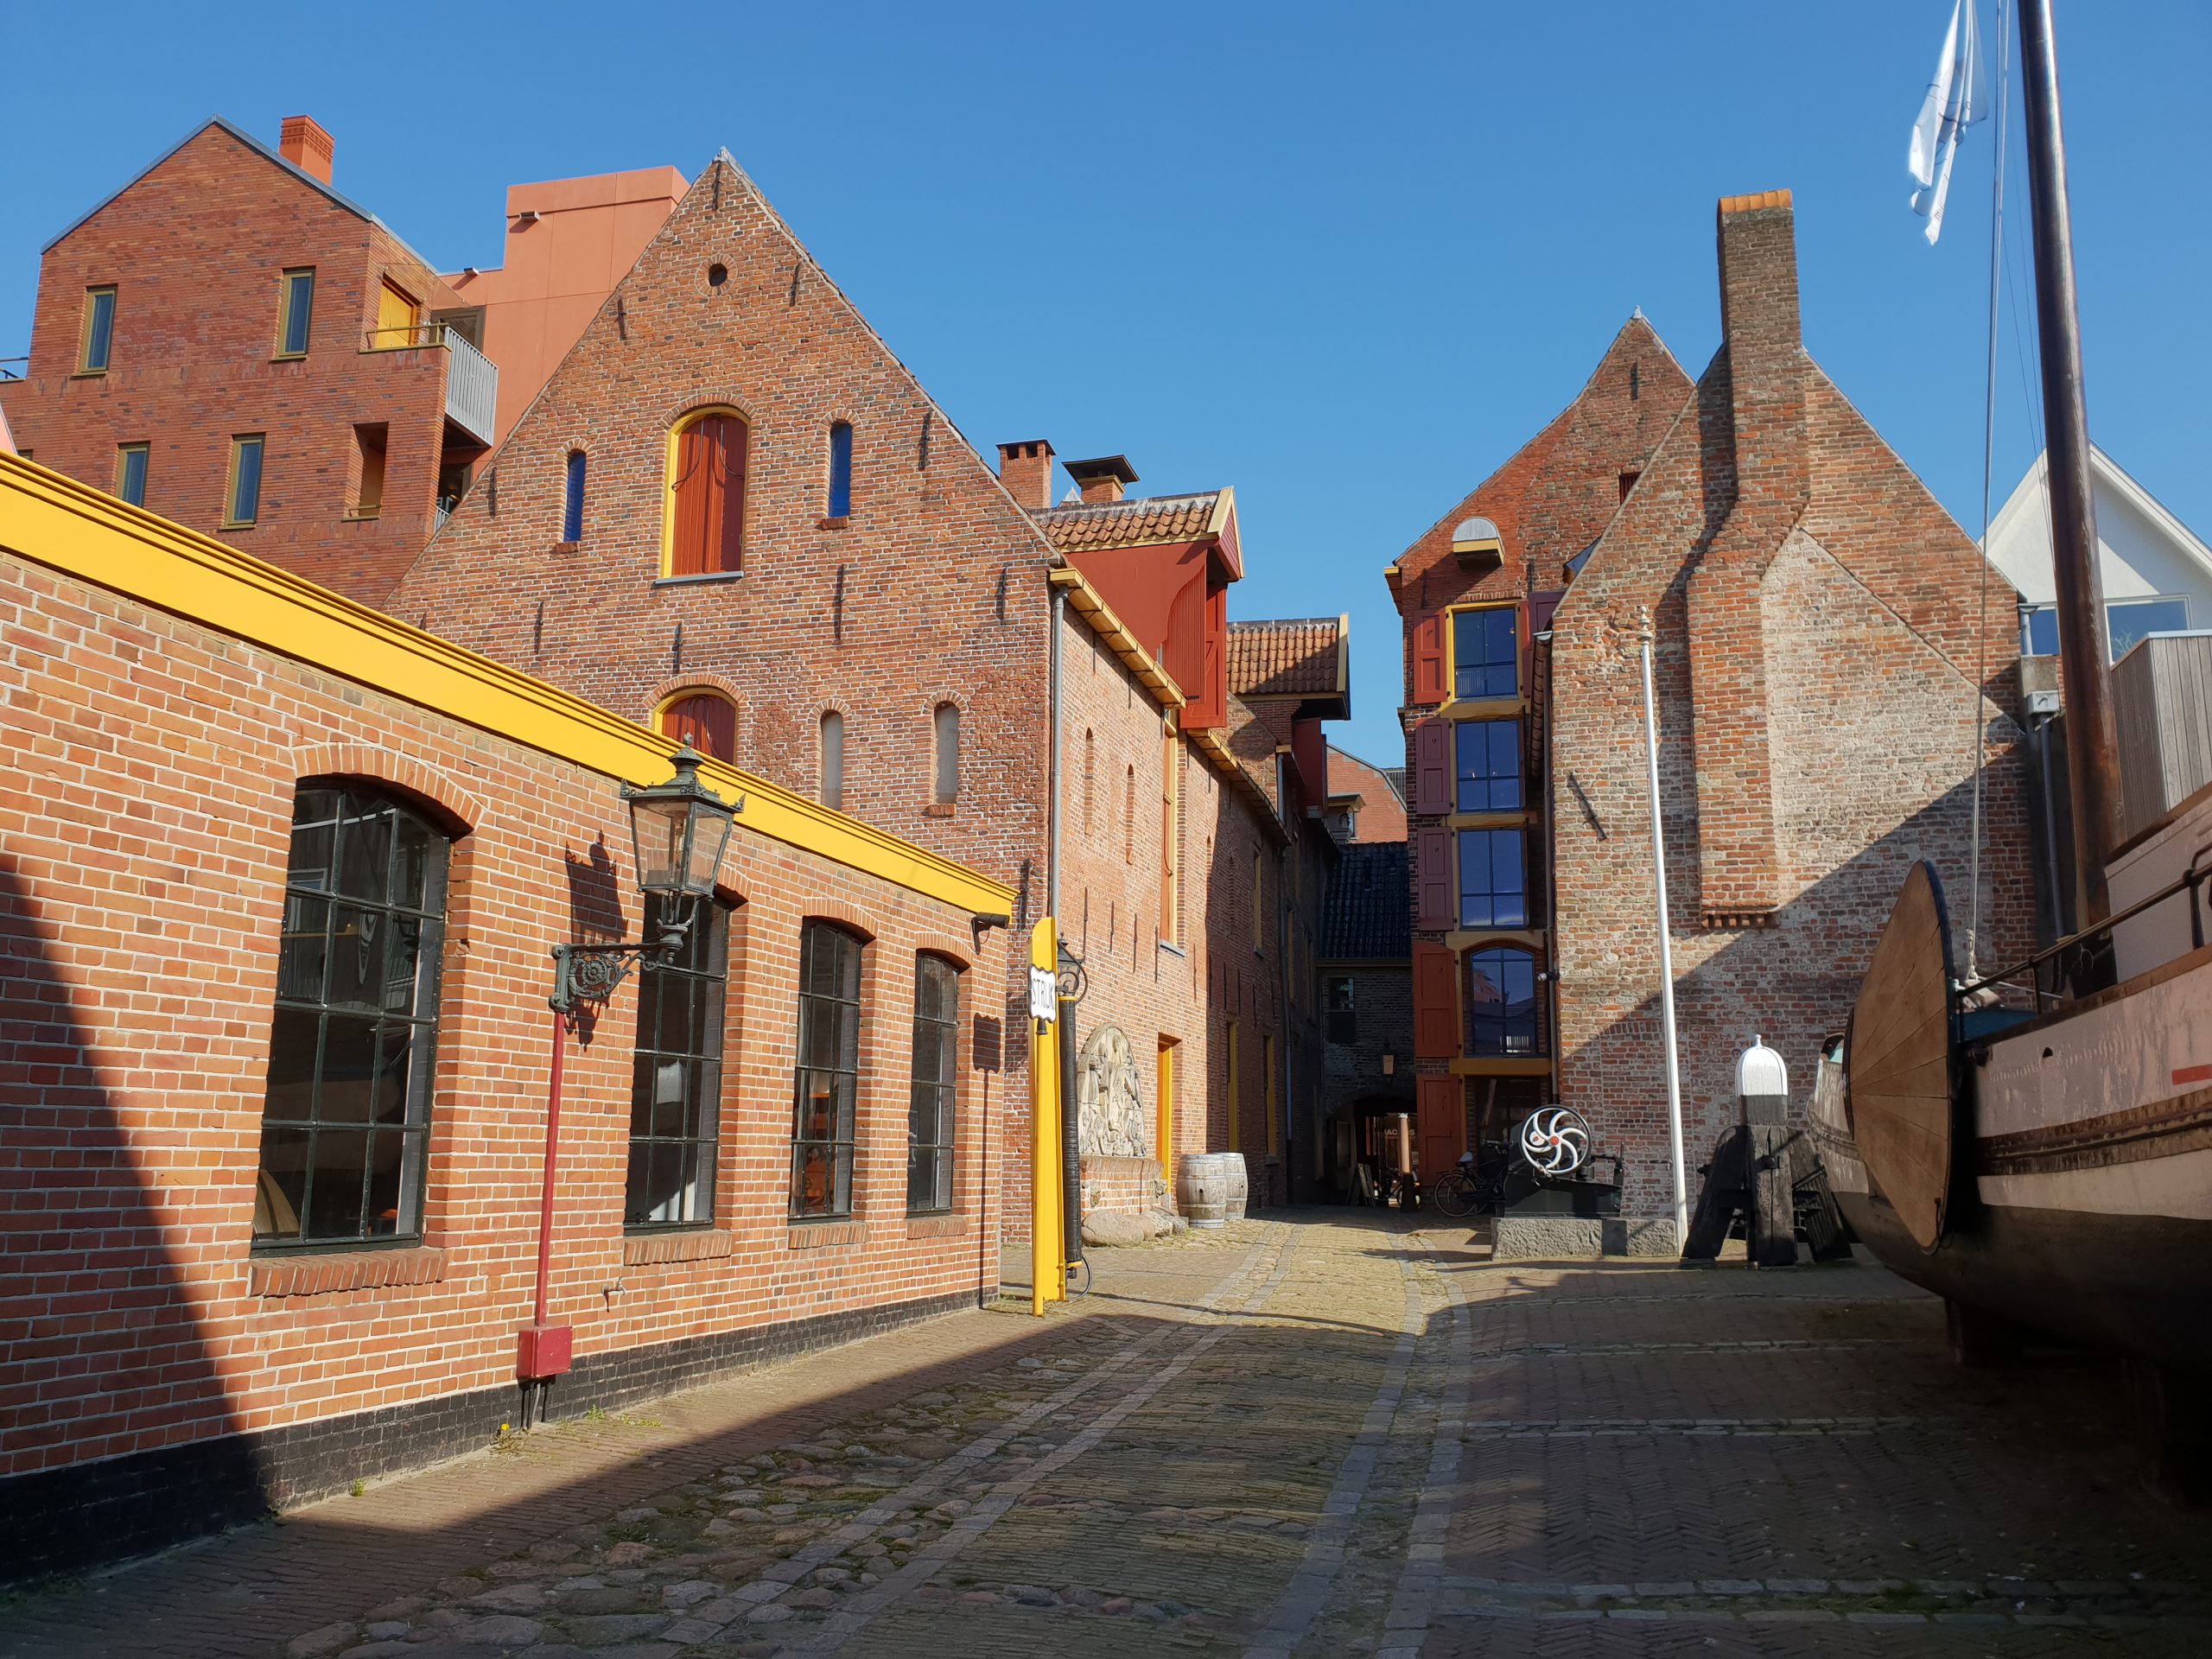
1485 646
96 335
242 488
131 463
294 311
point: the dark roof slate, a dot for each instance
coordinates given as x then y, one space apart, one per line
1368 914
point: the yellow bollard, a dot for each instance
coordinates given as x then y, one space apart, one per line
1048 1270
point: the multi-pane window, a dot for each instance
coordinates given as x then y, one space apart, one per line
294 313
932 1117
1504 1014
1493 879
706 510
1337 1000
242 501
348 1109
841 470
675 1081
1486 755
131 461
97 338
1485 662
572 499
827 1074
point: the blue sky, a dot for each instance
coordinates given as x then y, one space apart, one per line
1345 257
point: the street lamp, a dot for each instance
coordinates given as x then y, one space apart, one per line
678 830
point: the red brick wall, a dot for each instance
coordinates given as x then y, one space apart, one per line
144 812
196 248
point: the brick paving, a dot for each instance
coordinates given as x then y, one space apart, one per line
1327 1432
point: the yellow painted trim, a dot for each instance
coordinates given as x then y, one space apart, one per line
1083 600
1501 1065
1048 1266
123 453
1488 708
1484 709
1519 819
690 418
67 526
239 440
284 312
1477 938
1164 1128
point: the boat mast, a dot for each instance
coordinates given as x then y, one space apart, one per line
2092 737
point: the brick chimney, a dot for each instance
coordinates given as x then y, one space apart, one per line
1026 469
1759 323
305 146
1103 479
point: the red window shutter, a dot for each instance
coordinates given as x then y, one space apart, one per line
1433 878
729 544
1441 1122
1432 766
1436 1025
1527 659
707 722
688 551
1429 657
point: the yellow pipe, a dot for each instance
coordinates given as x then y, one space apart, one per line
1048 1271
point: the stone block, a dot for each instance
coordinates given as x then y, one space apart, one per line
1525 1237
1650 1235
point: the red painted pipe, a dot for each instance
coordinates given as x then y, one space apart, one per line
545 1197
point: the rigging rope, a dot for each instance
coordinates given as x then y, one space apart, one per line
1989 456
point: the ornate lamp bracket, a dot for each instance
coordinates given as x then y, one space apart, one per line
592 973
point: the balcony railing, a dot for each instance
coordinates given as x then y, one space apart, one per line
14 368
472 378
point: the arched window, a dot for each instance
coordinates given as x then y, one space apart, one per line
933 1114
705 720
572 499
833 759
948 754
1089 778
841 470
706 494
827 1074
1504 1015
345 1120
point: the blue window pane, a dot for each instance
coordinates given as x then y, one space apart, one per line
1503 1012
2131 619
2042 632
131 484
1484 660
840 471
572 507
299 310
1493 879
99 328
246 482
1488 765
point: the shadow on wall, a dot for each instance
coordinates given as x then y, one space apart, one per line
100 1346
1769 983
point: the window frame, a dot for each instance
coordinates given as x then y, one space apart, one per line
1171 815
837 499
1457 614
372 439
1340 1015
1532 1033
1462 869
699 736
830 759
842 1118
240 442
1488 782
704 997
690 418
574 478
944 756
288 287
142 453
429 917
942 1107
88 324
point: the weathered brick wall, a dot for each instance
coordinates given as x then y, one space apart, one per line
196 249
146 798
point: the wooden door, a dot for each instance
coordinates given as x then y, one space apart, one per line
397 315
1442 1128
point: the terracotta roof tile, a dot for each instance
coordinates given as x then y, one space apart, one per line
1284 658
1144 521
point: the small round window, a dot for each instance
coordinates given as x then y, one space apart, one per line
717 274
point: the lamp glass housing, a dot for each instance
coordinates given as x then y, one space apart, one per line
679 830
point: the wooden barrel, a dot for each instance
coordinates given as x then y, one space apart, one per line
1240 1185
1202 1187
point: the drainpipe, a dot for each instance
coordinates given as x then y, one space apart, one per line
1282 944
1542 709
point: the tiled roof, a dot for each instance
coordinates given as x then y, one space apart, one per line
1144 521
1287 658
1368 914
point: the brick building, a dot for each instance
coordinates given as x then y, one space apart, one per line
1366 802
229 342
279 882
1819 644
732 511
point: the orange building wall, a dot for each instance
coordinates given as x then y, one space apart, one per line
560 268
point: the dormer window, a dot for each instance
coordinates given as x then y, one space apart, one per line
1476 541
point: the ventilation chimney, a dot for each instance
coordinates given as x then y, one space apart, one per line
305 146
1759 323
1103 479
1026 469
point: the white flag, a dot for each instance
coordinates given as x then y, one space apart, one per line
1956 98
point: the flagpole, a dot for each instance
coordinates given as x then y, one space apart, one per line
1666 946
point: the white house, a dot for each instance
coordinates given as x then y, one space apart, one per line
2157 576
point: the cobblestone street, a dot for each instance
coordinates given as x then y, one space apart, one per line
1326 1433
